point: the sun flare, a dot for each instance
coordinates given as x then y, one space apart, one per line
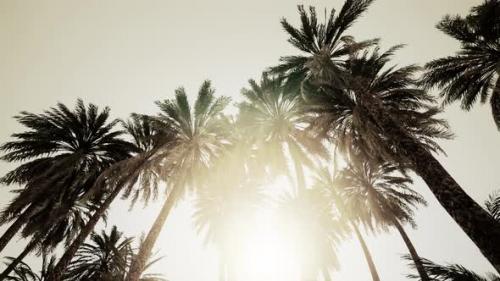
268 252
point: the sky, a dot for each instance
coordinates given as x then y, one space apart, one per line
127 54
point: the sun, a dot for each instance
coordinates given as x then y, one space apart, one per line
268 252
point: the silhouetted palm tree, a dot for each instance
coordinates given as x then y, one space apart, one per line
276 122
106 258
63 151
380 115
381 198
328 181
201 136
452 272
151 144
473 72
324 46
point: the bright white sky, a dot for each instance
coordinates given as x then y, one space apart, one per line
128 54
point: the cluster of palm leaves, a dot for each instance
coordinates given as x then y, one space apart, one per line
345 126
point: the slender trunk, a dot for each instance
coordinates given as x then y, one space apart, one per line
62 264
15 227
366 251
478 224
139 261
413 252
16 261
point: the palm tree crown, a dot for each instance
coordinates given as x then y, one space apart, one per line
472 73
342 117
324 45
278 125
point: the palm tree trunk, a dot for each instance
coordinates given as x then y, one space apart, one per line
15 227
413 252
16 261
366 251
62 264
139 261
478 224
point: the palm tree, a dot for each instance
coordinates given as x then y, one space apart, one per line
277 124
148 135
350 214
45 238
23 272
382 198
151 144
317 229
323 46
106 258
63 151
200 137
452 272
380 114
473 71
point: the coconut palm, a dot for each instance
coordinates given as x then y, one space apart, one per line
105 258
200 137
148 135
328 182
472 73
315 226
45 238
380 198
452 272
380 115
63 151
277 124
323 46
151 144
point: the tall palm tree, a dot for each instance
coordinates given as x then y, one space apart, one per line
45 238
452 272
384 200
200 137
380 114
63 151
151 143
473 72
106 258
277 124
323 46
316 227
350 215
